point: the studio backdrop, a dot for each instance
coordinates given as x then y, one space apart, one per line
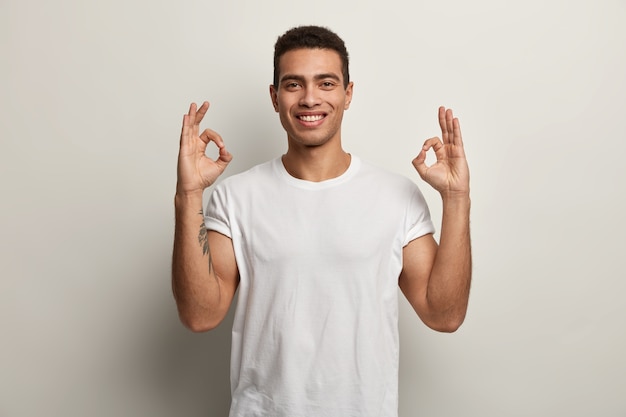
92 98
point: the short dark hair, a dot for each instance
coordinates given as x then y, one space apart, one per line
311 37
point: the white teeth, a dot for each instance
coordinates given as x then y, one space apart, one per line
312 118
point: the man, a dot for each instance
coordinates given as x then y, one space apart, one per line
317 242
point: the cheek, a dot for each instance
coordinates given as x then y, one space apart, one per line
284 118
280 105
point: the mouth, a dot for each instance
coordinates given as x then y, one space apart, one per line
311 117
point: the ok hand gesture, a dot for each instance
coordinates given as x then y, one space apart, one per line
195 170
450 174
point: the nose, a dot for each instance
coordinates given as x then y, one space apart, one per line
310 97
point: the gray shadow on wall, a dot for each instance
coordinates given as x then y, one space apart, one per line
149 363
194 369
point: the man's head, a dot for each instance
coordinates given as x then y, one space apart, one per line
311 37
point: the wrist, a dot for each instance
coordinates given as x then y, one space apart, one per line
456 197
188 199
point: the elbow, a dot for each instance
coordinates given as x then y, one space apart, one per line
198 324
446 318
198 320
447 324
449 327
199 327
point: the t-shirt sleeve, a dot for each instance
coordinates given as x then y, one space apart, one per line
217 216
418 222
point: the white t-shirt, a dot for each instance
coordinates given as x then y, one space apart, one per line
316 326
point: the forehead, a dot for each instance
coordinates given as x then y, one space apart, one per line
308 62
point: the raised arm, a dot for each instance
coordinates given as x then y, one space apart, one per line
436 278
204 271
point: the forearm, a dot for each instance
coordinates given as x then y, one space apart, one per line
194 282
449 283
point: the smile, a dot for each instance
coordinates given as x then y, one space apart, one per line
311 118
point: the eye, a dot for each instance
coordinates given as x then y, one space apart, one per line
328 85
292 85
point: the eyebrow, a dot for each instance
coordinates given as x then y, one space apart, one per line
316 77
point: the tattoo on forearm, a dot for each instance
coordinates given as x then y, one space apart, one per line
203 240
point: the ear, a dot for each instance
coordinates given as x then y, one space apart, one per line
274 97
349 91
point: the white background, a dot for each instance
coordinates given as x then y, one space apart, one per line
92 97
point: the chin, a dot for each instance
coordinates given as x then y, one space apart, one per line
311 143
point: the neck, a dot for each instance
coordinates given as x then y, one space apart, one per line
316 164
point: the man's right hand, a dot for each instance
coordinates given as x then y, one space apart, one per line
195 170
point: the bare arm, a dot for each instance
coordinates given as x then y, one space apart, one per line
204 271
436 278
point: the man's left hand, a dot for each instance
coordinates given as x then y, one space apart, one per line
450 174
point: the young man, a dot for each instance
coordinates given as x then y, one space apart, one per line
317 242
